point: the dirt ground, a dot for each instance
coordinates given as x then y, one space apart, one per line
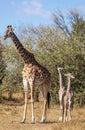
10 116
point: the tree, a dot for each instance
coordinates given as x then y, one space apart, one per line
74 50
78 37
2 69
2 64
56 46
12 82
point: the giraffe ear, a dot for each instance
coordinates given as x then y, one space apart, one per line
10 26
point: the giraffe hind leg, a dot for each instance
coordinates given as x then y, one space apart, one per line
61 108
44 91
65 113
69 113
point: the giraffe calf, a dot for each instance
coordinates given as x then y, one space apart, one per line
61 92
68 99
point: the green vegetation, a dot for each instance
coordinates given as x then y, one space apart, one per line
60 45
2 69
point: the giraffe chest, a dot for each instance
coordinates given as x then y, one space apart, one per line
69 97
33 74
62 91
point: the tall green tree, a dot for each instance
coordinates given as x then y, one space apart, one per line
74 50
12 82
2 69
78 38
2 64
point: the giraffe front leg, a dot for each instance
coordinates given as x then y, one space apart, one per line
69 114
61 108
32 102
33 117
25 87
65 114
25 108
61 113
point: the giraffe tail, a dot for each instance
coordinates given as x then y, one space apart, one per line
48 100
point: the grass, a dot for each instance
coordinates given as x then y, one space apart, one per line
10 116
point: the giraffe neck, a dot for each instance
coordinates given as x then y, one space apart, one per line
26 55
61 80
69 85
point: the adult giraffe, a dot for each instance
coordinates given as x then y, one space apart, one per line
33 74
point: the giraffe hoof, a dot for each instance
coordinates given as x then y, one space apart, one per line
60 119
43 120
65 120
22 121
69 119
33 120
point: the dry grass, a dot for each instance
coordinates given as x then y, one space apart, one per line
10 117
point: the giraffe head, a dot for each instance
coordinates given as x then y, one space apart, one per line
69 75
60 68
8 32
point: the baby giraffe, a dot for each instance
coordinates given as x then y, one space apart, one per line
61 92
68 99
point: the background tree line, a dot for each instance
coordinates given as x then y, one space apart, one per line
61 44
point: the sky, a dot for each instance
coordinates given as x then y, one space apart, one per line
34 12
